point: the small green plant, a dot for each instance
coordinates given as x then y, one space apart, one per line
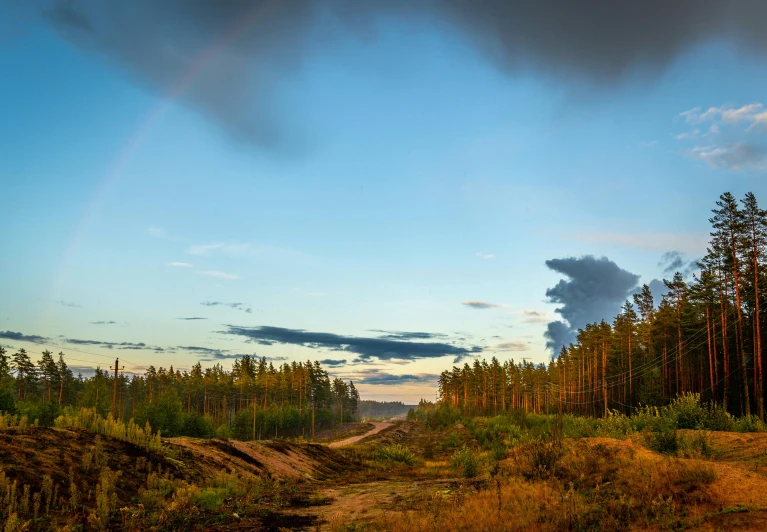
664 441
451 441
395 453
543 458
466 461
698 444
499 451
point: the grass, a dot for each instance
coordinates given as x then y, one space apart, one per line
395 453
586 487
516 472
466 462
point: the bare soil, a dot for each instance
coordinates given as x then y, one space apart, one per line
378 426
346 486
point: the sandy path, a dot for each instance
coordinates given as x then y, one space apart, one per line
378 427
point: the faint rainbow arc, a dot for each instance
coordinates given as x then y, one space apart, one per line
139 135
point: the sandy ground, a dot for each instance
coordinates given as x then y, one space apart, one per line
378 426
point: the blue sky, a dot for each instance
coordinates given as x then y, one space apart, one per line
412 175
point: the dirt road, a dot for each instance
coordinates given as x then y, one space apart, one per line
378 427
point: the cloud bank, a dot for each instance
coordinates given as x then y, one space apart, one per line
366 349
595 289
228 60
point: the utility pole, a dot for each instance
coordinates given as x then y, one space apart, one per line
114 393
254 417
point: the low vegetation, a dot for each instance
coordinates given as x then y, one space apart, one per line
516 472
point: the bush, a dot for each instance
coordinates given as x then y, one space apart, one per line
749 424
717 418
442 417
687 411
395 453
223 432
543 458
466 461
452 441
7 401
196 426
665 441
499 451
696 445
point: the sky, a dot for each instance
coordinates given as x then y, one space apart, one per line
390 188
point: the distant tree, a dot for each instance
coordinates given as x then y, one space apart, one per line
49 372
25 372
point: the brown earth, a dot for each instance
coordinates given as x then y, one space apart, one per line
378 426
349 487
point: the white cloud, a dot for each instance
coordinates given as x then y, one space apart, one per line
734 156
726 114
688 134
180 264
481 305
217 274
687 243
485 256
735 148
535 316
512 346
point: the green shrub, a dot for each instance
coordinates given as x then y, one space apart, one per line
466 461
664 441
452 441
223 432
749 424
7 401
395 453
698 444
543 458
687 411
499 451
717 418
195 425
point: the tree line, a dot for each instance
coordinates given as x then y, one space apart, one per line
704 337
254 399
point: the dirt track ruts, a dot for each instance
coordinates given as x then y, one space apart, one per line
378 427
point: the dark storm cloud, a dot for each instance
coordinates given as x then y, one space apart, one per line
558 334
198 349
403 335
658 289
394 380
594 290
228 59
77 341
671 261
333 362
674 261
11 335
110 345
365 348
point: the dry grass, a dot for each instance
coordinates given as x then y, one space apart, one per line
597 484
98 482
